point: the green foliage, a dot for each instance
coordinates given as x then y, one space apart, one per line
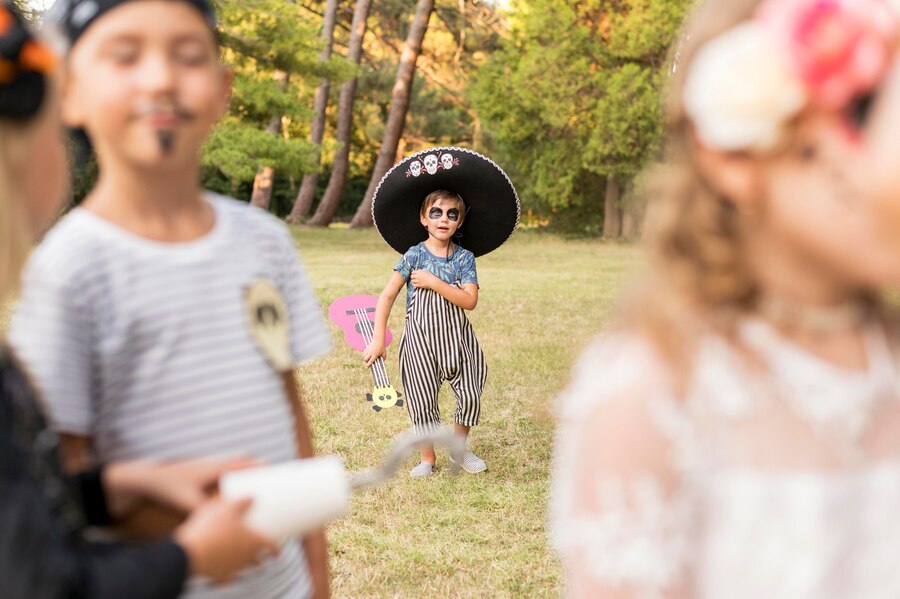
574 99
562 94
272 48
84 174
26 9
238 150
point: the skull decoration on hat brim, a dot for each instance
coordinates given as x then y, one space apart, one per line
492 204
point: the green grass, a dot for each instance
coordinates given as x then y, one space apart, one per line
541 300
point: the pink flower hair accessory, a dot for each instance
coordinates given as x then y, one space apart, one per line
840 49
743 87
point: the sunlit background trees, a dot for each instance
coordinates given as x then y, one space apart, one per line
328 94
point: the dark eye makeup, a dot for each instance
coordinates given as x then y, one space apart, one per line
436 213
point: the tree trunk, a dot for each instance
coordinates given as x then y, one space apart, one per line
265 176
332 196
399 105
401 150
307 192
262 187
612 216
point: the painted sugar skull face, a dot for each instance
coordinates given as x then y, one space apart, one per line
431 164
446 162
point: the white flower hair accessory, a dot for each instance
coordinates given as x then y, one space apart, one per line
740 92
747 84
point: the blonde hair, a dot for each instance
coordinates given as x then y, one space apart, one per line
694 234
16 235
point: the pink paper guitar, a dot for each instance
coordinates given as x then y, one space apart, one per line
356 315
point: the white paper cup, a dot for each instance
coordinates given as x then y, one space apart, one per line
293 498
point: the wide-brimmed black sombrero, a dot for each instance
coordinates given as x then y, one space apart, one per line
491 200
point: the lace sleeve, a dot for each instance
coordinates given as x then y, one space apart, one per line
621 514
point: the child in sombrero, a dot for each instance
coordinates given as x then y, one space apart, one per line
425 207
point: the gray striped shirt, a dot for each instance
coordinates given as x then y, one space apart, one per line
144 347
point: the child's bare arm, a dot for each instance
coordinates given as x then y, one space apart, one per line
315 545
466 298
135 518
382 312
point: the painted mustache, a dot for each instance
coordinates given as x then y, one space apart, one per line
148 108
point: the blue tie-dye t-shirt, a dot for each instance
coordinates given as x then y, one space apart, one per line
459 267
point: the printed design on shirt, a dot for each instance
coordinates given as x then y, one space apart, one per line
267 317
456 269
431 164
460 268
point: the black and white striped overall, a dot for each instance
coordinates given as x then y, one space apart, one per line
439 345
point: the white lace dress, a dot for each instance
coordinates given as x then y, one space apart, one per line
774 482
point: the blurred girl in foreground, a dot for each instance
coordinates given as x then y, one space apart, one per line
738 434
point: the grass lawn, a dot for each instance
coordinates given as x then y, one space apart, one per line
541 300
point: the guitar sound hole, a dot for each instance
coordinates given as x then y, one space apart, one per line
359 330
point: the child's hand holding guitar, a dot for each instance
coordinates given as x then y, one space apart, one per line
373 351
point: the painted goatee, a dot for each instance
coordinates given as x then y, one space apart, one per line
166 141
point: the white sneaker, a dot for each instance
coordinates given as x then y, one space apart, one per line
422 470
471 463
